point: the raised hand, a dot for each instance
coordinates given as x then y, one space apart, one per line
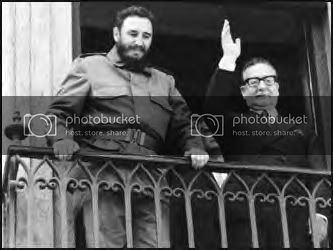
230 48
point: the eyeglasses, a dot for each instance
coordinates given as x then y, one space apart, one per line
254 81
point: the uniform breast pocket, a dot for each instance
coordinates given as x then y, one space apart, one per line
162 102
160 114
111 92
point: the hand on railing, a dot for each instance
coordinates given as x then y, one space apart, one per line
64 149
199 157
236 190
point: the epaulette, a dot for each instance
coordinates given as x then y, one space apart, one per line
93 54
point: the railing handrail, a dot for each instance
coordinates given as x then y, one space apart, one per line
216 166
17 151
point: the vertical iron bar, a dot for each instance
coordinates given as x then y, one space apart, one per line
284 221
95 212
63 212
12 217
128 215
4 221
312 212
224 239
30 213
190 230
158 213
12 203
253 221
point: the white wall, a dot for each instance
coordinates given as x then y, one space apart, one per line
329 13
36 54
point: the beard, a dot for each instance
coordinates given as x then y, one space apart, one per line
131 62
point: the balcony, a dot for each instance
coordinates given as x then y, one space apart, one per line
185 189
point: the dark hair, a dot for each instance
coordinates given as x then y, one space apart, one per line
133 11
254 61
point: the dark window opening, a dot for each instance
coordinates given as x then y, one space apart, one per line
186 43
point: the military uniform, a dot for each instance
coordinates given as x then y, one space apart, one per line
102 85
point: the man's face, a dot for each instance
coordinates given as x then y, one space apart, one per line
261 91
134 38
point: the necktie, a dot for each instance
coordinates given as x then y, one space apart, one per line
270 118
264 114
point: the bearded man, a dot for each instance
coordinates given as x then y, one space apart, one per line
121 84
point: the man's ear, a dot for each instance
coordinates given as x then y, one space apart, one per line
277 86
116 34
242 88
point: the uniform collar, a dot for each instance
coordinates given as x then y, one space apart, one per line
114 57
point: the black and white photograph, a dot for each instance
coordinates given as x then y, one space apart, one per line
166 124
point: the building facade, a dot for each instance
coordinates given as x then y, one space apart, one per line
40 40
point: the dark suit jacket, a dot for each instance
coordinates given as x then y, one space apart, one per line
284 144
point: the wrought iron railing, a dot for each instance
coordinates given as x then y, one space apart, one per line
174 167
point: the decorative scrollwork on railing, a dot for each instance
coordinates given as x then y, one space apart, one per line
169 192
199 193
113 186
178 192
81 185
20 185
270 198
264 187
322 203
140 189
238 196
300 201
51 184
209 195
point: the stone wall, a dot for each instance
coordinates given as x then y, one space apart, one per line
36 54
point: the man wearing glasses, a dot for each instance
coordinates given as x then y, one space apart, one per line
255 133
